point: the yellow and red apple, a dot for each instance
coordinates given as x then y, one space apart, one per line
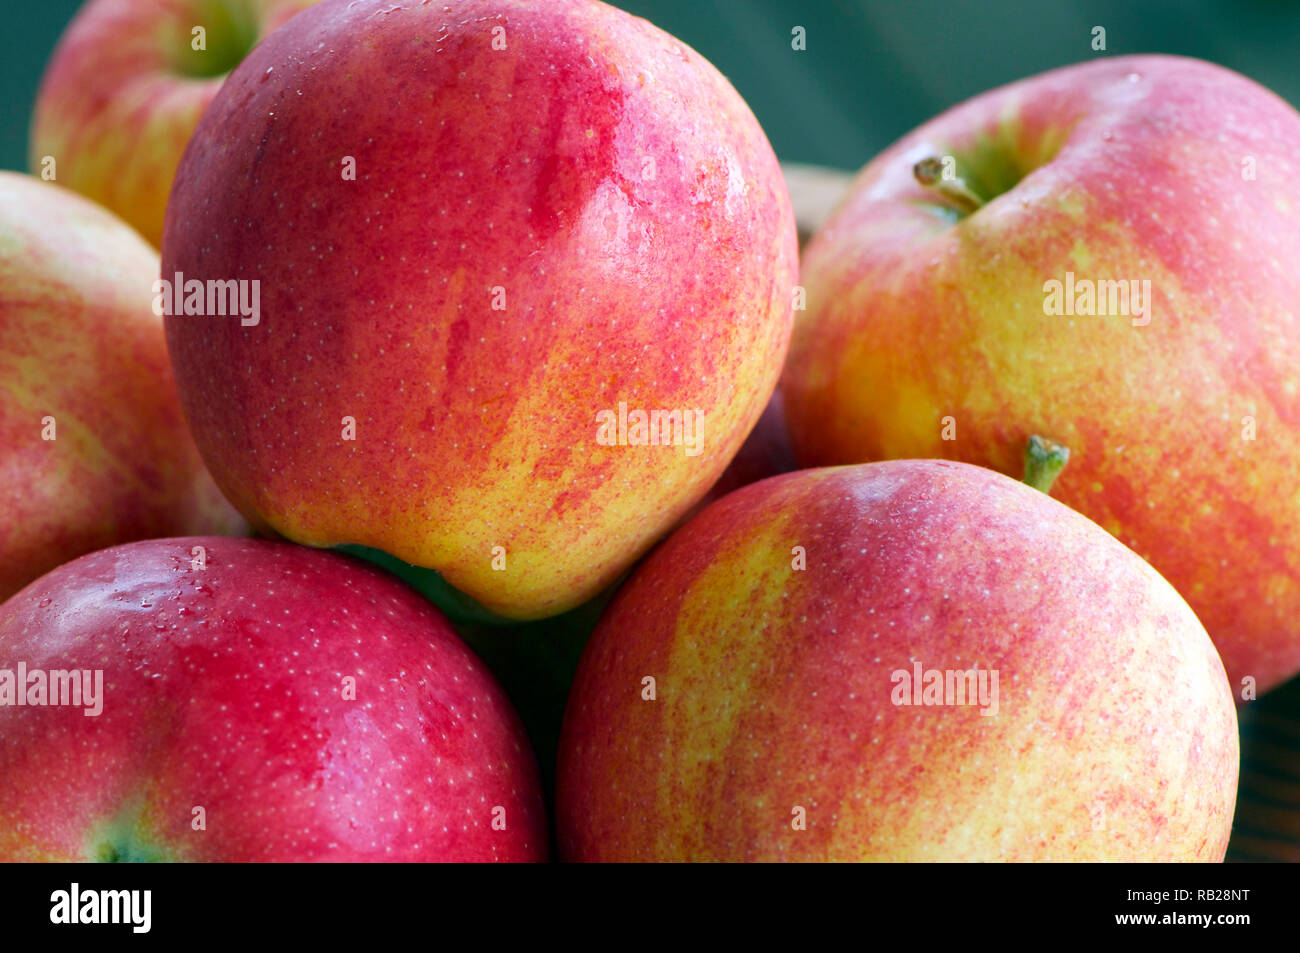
94 449
487 237
1104 255
244 700
764 686
125 88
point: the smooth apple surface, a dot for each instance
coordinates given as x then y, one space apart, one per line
94 449
774 627
313 708
480 228
125 88
927 332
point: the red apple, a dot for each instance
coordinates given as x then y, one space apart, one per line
488 236
259 702
125 88
95 448
933 330
762 688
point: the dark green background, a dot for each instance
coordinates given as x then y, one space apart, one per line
873 68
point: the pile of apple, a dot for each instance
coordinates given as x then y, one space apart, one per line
467 308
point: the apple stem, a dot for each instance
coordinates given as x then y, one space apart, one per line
929 172
1044 460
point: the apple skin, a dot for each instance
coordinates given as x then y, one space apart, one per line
1134 171
665 284
124 90
79 343
774 686
223 688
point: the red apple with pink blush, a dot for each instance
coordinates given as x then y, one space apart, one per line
480 230
125 88
245 700
94 449
1103 255
764 686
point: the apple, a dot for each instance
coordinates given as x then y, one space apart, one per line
125 88
765 453
939 321
909 660
94 449
491 240
252 701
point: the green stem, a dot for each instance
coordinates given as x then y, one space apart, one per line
1044 461
929 172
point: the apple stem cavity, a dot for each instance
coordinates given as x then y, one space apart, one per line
121 839
930 173
1044 461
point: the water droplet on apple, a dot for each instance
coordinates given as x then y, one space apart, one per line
1133 77
44 603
